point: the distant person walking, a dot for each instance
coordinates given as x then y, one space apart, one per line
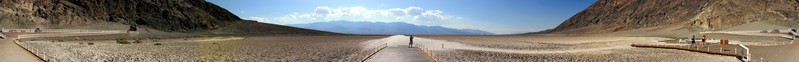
410 45
693 39
704 38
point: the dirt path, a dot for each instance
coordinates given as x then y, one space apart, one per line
789 54
11 52
397 50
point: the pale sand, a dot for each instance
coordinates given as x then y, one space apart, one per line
600 43
783 33
789 54
537 48
220 39
778 53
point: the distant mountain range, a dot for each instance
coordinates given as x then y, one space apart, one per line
350 27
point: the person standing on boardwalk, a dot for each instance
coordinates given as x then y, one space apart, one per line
410 45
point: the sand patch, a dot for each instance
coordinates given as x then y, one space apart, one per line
219 39
557 49
454 45
584 44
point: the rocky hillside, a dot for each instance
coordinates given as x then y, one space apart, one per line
691 15
163 15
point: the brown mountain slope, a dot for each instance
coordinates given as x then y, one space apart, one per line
606 16
162 15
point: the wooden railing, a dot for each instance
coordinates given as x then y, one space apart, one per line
427 52
375 50
2 36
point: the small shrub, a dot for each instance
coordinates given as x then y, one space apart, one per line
137 41
90 43
33 39
764 31
157 44
60 40
122 41
775 31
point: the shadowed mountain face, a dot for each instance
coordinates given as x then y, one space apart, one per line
386 28
163 15
692 15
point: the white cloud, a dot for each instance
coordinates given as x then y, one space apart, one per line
259 19
323 13
413 15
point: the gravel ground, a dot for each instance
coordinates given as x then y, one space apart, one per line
250 49
354 48
537 43
545 43
615 55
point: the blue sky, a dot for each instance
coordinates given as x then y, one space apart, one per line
496 16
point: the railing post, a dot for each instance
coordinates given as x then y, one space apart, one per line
45 58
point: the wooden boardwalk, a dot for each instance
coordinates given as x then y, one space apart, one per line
397 50
11 52
399 54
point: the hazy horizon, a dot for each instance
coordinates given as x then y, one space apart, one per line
500 17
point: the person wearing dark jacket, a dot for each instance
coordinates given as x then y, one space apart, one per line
693 39
410 45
